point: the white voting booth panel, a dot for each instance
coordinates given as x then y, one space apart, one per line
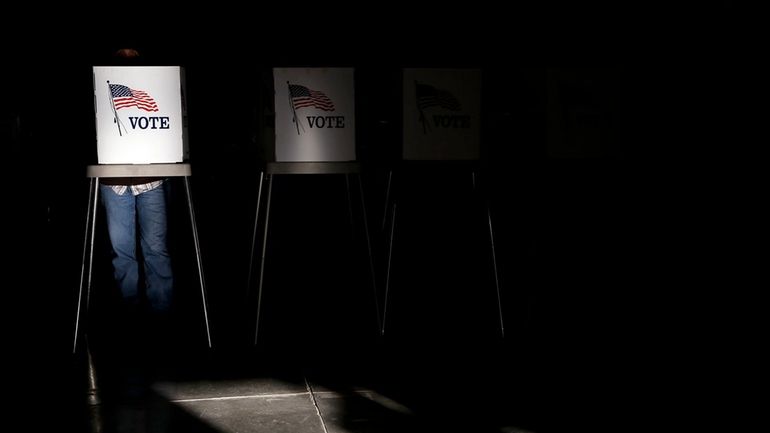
314 115
442 114
139 114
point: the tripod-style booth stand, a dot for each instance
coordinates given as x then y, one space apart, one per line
94 173
314 134
441 130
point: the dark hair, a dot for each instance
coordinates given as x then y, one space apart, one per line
128 56
127 53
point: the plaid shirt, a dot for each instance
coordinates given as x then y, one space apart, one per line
136 189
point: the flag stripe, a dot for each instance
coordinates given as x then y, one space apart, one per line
125 97
302 97
429 96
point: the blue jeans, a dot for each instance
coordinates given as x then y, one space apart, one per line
123 213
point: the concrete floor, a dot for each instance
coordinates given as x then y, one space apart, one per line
575 356
321 392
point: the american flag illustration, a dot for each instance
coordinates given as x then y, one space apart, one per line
429 96
124 97
302 97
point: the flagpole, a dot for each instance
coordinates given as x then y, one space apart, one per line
116 120
291 104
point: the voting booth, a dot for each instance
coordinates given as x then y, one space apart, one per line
442 121
315 133
140 132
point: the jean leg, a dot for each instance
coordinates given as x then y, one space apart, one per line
121 225
151 209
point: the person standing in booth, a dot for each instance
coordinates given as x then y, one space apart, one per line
137 205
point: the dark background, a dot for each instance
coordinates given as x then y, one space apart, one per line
619 234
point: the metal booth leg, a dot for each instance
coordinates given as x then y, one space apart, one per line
387 200
262 258
369 251
204 301
390 260
494 266
254 235
88 249
494 257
